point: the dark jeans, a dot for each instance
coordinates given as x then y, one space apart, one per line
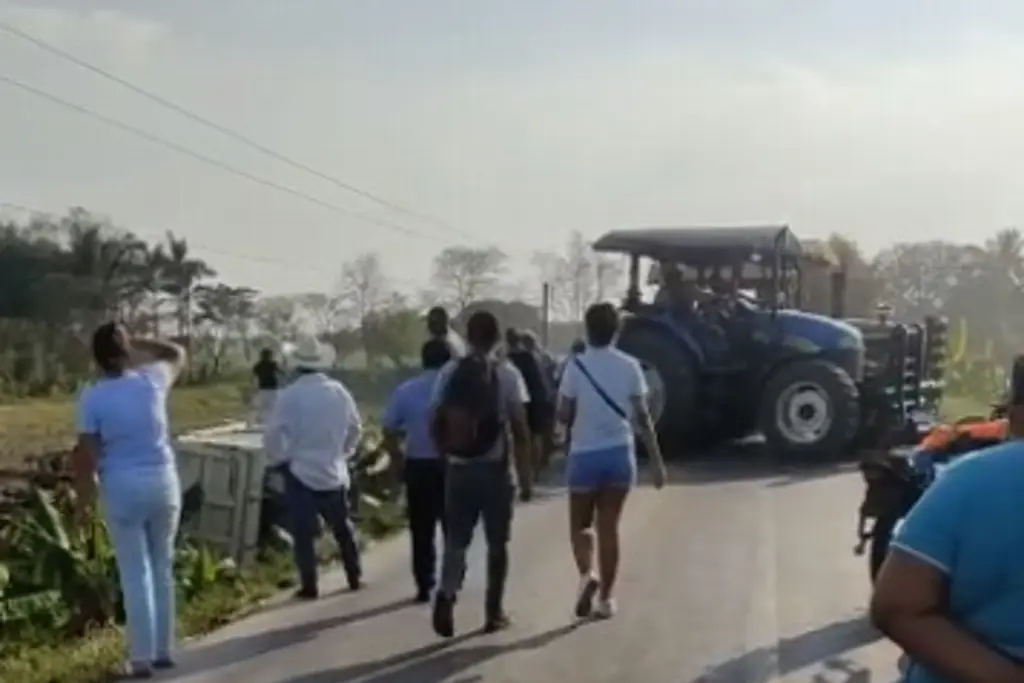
424 497
305 505
478 491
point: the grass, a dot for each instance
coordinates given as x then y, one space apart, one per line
93 658
37 426
956 407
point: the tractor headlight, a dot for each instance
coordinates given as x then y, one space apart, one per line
850 342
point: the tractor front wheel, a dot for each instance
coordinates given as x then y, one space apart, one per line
810 408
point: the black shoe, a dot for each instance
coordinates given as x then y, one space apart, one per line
355 582
444 616
423 596
163 663
307 594
497 622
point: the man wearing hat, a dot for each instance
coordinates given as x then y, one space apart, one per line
314 428
949 592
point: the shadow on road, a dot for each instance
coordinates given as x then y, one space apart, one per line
224 654
823 645
434 663
734 467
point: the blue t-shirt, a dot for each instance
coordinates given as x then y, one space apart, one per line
129 415
409 410
970 526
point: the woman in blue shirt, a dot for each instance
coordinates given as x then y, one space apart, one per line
951 590
124 444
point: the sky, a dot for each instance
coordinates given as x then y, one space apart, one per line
515 122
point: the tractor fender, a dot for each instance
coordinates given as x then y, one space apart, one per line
663 325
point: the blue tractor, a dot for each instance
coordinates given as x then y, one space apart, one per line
726 355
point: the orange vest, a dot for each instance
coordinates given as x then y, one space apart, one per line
943 435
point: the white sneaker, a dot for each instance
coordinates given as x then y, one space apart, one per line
589 585
605 609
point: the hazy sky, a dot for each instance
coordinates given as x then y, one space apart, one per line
518 121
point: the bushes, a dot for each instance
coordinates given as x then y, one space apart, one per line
58 576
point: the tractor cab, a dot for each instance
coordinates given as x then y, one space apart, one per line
724 352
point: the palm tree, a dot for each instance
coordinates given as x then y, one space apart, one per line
102 267
181 275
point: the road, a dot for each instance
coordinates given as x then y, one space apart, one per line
733 573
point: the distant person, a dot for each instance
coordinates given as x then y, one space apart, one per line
480 426
949 591
538 408
123 438
549 369
408 441
603 397
314 429
439 327
267 375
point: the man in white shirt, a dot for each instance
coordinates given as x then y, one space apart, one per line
313 429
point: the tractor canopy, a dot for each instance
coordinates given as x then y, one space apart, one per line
759 263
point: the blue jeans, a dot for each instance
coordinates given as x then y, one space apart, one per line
142 509
304 506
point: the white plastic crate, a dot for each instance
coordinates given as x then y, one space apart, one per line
230 464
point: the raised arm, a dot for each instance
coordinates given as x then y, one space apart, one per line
160 351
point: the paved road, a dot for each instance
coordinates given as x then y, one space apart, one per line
733 573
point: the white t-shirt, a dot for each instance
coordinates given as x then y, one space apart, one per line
597 426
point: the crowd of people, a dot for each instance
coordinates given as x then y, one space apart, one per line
472 429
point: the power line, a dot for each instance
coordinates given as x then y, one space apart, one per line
279 263
180 149
223 130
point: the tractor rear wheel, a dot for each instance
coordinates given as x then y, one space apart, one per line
671 382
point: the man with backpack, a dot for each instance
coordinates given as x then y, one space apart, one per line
480 426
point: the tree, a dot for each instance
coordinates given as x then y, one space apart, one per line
224 311
183 274
323 310
578 277
464 274
277 317
363 286
394 332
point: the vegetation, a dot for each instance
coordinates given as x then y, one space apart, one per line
59 589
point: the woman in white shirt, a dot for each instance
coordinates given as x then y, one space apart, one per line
602 398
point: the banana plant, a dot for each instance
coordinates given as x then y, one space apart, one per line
47 551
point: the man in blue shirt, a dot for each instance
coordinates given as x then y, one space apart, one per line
407 419
951 591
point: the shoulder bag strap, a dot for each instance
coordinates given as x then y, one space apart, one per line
599 389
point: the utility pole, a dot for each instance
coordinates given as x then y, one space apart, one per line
545 313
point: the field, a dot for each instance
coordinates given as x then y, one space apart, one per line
37 426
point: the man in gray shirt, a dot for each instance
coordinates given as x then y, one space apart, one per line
482 487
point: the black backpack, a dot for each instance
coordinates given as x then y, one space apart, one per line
467 423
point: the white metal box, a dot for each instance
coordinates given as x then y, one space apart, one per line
230 464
